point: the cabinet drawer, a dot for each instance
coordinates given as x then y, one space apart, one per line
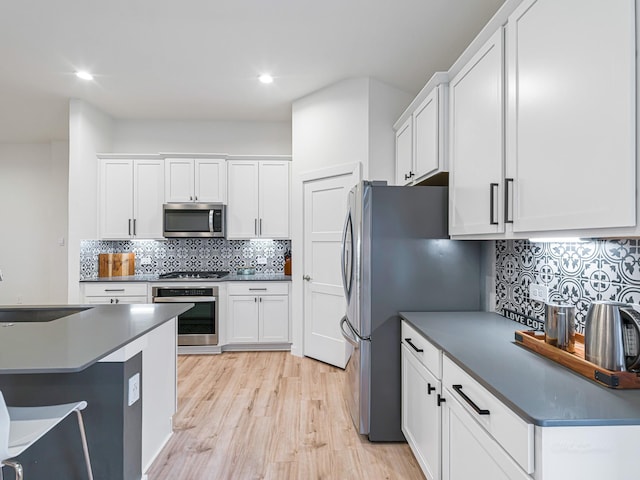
513 434
425 351
258 288
115 289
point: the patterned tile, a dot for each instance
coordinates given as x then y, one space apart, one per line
188 254
575 272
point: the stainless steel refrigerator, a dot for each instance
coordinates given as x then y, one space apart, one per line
396 256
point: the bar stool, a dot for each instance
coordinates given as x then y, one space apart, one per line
21 427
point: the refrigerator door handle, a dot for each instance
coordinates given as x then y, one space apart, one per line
352 340
347 257
352 336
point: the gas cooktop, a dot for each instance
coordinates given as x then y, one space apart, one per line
192 275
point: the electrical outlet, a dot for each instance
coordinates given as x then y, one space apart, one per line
261 260
134 389
145 261
539 292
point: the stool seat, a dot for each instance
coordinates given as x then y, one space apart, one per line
21 427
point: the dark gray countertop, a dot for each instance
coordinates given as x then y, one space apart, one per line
232 277
536 388
75 342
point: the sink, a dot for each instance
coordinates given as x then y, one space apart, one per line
41 314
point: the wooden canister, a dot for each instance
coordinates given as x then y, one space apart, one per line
116 264
287 266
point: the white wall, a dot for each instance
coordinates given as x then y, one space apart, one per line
33 218
90 131
350 121
239 138
385 104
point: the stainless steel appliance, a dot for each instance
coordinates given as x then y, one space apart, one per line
612 336
396 256
193 220
212 275
199 325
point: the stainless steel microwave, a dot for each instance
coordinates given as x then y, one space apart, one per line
193 220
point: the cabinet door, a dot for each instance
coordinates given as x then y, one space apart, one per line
148 197
421 415
116 199
571 128
273 219
179 177
242 209
476 142
242 323
210 180
468 451
428 132
274 318
404 153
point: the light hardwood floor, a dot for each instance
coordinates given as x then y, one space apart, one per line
270 415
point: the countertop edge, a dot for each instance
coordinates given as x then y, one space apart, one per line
154 279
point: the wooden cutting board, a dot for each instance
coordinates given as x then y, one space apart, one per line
116 264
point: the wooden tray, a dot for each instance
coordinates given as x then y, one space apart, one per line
575 361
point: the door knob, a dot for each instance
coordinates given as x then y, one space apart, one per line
306 277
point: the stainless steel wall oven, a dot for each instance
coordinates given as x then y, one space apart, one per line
199 325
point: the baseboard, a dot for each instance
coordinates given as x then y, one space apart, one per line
253 347
199 350
155 455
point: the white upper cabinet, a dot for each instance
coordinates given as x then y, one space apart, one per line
274 199
421 137
258 199
404 153
571 114
554 151
476 143
148 197
201 180
131 197
429 127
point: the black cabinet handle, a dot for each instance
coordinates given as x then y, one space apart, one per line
507 182
411 174
407 176
479 411
441 399
408 340
492 220
430 389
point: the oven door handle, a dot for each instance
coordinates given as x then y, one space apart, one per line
184 299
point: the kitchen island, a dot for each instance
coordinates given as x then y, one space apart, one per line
121 359
552 422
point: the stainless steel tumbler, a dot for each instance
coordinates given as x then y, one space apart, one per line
560 326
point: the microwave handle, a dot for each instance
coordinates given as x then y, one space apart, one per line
211 221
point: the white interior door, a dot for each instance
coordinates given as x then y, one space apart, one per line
325 208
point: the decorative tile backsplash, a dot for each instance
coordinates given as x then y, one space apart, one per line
188 254
575 272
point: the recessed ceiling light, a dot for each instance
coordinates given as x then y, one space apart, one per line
84 75
265 78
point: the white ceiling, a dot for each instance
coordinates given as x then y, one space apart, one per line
199 59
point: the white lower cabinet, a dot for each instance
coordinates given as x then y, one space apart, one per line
469 451
421 413
111 292
258 313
